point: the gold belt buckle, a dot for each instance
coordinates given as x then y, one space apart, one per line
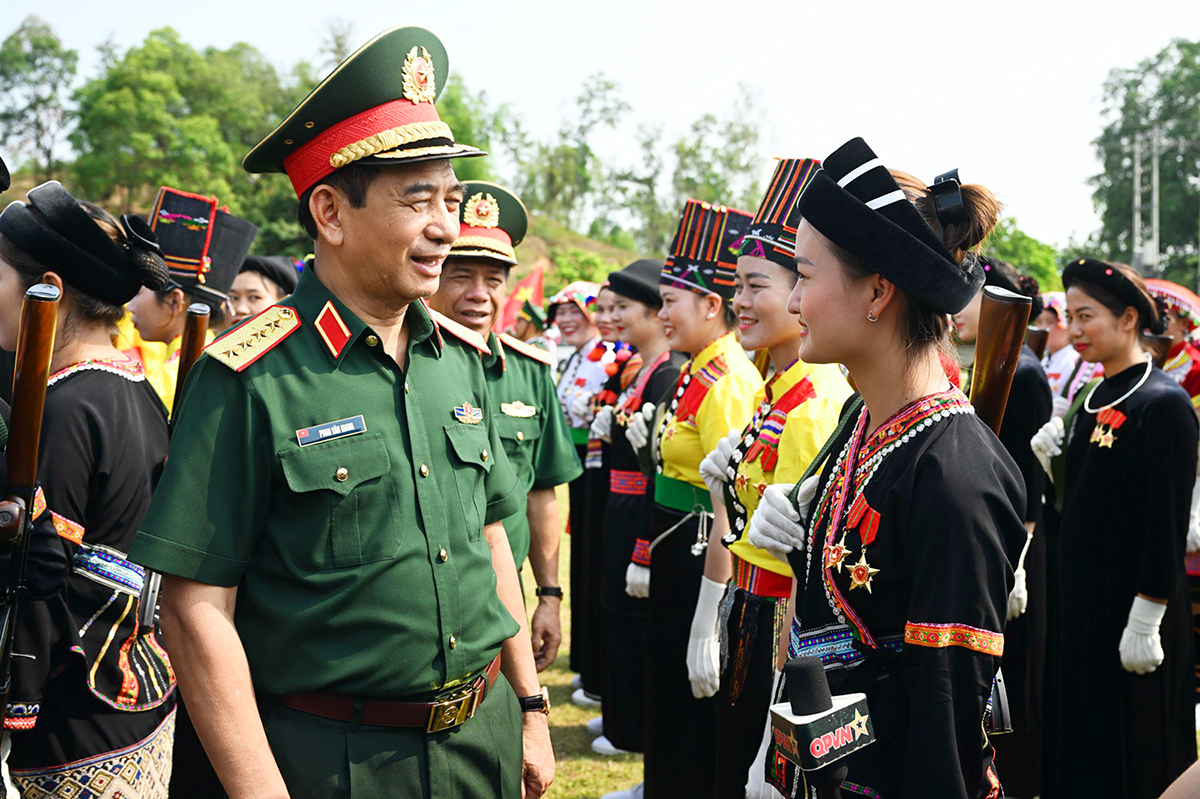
452 711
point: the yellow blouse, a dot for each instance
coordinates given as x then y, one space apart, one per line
797 410
719 397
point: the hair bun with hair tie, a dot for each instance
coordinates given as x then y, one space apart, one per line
145 256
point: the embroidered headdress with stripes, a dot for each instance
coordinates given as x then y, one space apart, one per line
856 203
772 233
376 107
1179 299
704 251
204 245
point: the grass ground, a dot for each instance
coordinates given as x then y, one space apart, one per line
581 773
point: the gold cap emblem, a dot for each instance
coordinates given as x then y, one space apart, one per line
419 83
482 210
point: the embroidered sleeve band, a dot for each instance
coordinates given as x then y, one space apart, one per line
641 552
939 636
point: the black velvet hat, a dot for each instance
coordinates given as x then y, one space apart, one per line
704 251
638 281
204 246
279 269
5 180
493 222
857 204
1108 277
55 230
1004 275
773 232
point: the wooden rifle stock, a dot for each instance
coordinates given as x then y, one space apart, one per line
190 348
35 345
1037 339
1003 317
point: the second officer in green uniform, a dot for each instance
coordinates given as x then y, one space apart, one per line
340 596
532 427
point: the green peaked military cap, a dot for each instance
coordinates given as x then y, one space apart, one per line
376 107
533 314
494 221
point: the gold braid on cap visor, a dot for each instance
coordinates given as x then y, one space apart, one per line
389 140
483 243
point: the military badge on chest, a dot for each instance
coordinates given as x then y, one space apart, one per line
468 414
1108 421
517 409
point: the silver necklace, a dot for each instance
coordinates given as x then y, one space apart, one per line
1087 401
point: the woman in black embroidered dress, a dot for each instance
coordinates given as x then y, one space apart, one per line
901 544
1119 699
1019 753
94 688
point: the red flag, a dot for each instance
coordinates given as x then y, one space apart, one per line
530 288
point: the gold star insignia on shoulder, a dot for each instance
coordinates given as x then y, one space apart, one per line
861 573
248 342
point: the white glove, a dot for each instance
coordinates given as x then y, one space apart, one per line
1141 647
714 467
775 525
602 425
1059 406
637 581
1193 539
1047 442
581 405
756 778
637 432
704 642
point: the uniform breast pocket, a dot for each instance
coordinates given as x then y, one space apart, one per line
520 437
471 462
344 504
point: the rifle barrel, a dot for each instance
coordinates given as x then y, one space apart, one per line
1003 317
191 347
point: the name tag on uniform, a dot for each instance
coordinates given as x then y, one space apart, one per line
518 409
331 430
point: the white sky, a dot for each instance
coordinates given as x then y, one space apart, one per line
1008 92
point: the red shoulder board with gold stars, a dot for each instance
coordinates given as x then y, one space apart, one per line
460 332
254 338
528 350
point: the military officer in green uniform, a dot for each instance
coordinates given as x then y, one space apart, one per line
532 427
340 600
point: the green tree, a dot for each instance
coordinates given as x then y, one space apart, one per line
1009 243
1161 92
573 263
36 72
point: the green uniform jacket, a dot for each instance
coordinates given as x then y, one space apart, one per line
359 559
532 427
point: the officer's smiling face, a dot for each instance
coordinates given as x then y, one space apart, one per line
472 292
392 249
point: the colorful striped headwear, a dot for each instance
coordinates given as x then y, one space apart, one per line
582 293
1056 301
1178 299
773 232
704 251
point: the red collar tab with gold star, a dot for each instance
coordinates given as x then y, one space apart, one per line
332 330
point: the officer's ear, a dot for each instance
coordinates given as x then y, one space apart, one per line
327 204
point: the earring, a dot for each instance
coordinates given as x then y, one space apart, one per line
710 316
871 318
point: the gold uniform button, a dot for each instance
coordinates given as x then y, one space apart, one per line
483 454
372 341
424 470
453 642
341 474
520 435
406 388
443 555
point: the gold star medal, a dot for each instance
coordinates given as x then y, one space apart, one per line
835 555
1107 438
861 573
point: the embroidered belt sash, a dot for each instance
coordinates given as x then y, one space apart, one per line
620 482
834 645
680 495
760 581
109 568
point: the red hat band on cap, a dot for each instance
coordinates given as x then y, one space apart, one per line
375 130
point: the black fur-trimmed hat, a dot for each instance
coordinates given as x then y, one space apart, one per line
857 204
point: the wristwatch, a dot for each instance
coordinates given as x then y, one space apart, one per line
538 703
550 590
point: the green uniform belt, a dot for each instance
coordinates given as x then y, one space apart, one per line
680 495
579 436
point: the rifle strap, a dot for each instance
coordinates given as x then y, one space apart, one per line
851 415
